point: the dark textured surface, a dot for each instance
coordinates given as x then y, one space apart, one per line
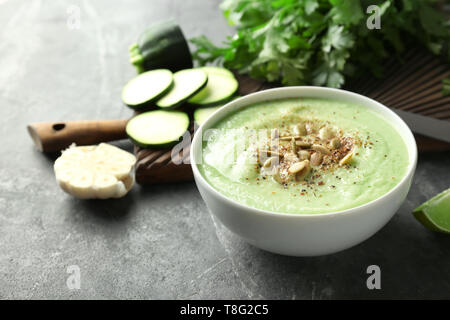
159 241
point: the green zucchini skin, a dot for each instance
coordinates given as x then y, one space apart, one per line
162 45
140 140
215 80
151 146
186 98
150 103
219 70
148 106
182 102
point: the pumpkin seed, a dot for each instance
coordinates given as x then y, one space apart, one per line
300 129
316 159
320 148
269 162
335 143
303 155
303 144
291 157
301 175
293 145
287 138
327 133
346 159
296 167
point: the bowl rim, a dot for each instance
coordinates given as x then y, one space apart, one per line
221 112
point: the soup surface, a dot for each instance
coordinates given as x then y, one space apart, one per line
307 155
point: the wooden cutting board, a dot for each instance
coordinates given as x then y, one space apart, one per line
413 86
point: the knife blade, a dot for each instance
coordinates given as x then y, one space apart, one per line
427 126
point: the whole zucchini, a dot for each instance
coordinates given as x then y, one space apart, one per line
161 46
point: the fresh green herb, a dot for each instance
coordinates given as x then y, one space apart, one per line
322 42
446 86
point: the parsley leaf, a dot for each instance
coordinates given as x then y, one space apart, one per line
321 42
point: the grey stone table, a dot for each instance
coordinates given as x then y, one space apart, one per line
160 241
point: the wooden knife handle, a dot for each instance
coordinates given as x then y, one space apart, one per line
56 136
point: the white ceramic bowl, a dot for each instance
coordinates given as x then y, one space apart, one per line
304 234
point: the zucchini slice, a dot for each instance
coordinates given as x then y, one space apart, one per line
201 114
158 128
186 84
220 88
146 88
218 70
162 45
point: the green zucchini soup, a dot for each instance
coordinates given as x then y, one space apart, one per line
303 155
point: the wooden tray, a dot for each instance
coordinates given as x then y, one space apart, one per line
413 86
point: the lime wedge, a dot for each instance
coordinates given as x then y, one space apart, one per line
435 213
